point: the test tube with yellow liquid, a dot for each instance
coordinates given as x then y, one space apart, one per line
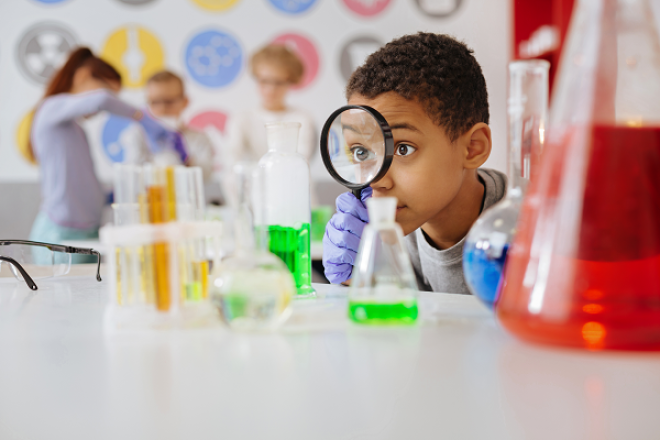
159 209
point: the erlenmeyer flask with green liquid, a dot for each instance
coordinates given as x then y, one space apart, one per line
383 288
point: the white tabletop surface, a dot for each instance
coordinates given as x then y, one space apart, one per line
456 375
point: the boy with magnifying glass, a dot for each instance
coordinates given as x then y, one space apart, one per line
432 92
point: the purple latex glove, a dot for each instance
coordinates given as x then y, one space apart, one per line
179 145
158 137
342 236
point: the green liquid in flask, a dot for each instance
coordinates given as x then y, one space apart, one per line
382 313
292 245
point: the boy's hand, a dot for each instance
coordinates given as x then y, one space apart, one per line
342 236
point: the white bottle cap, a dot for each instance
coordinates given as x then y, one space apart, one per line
381 209
283 136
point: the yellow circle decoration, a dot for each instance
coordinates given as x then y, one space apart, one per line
136 53
216 5
23 138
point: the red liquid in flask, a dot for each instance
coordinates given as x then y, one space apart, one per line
585 268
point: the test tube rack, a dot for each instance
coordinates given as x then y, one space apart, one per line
135 303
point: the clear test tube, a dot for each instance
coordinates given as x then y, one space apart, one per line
194 267
200 257
128 187
185 213
156 182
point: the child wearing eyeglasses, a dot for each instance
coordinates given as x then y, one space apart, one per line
166 101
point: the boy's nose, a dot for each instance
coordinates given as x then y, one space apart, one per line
384 184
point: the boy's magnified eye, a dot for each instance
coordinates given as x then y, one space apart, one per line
360 153
404 150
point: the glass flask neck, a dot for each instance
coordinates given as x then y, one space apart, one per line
282 137
610 68
527 110
243 224
382 211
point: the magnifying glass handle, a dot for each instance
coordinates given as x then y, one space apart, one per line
357 193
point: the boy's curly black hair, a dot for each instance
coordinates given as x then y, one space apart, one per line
437 70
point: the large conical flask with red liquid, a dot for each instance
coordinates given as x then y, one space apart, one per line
584 269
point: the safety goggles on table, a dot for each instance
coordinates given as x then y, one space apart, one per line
30 260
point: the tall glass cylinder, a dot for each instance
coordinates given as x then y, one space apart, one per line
584 270
486 246
282 205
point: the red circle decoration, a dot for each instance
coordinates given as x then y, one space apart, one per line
307 52
213 118
367 8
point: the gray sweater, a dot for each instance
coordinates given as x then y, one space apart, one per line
442 270
71 193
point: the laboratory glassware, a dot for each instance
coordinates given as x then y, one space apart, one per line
282 211
383 288
193 255
252 288
487 243
30 260
356 146
124 312
583 270
161 203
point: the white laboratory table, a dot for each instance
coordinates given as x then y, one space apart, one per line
456 375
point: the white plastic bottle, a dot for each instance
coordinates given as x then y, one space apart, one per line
282 203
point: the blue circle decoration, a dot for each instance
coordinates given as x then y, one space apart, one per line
293 6
213 58
50 2
111 137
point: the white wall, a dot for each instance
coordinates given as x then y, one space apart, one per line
328 24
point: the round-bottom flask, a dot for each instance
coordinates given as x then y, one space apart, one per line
252 288
253 291
486 247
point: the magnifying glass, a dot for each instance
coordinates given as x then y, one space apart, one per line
357 146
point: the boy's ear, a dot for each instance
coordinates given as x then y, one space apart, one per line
185 101
477 143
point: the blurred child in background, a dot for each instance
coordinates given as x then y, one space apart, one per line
72 196
276 69
166 100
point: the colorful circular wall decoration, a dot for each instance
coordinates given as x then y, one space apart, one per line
111 137
292 6
307 52
136 53
215 5
50 2
209 118
136 2
367 8
42 49
355 52
213 58
439 8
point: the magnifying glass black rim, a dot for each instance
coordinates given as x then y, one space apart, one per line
389 146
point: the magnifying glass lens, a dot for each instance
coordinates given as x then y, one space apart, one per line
356 146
